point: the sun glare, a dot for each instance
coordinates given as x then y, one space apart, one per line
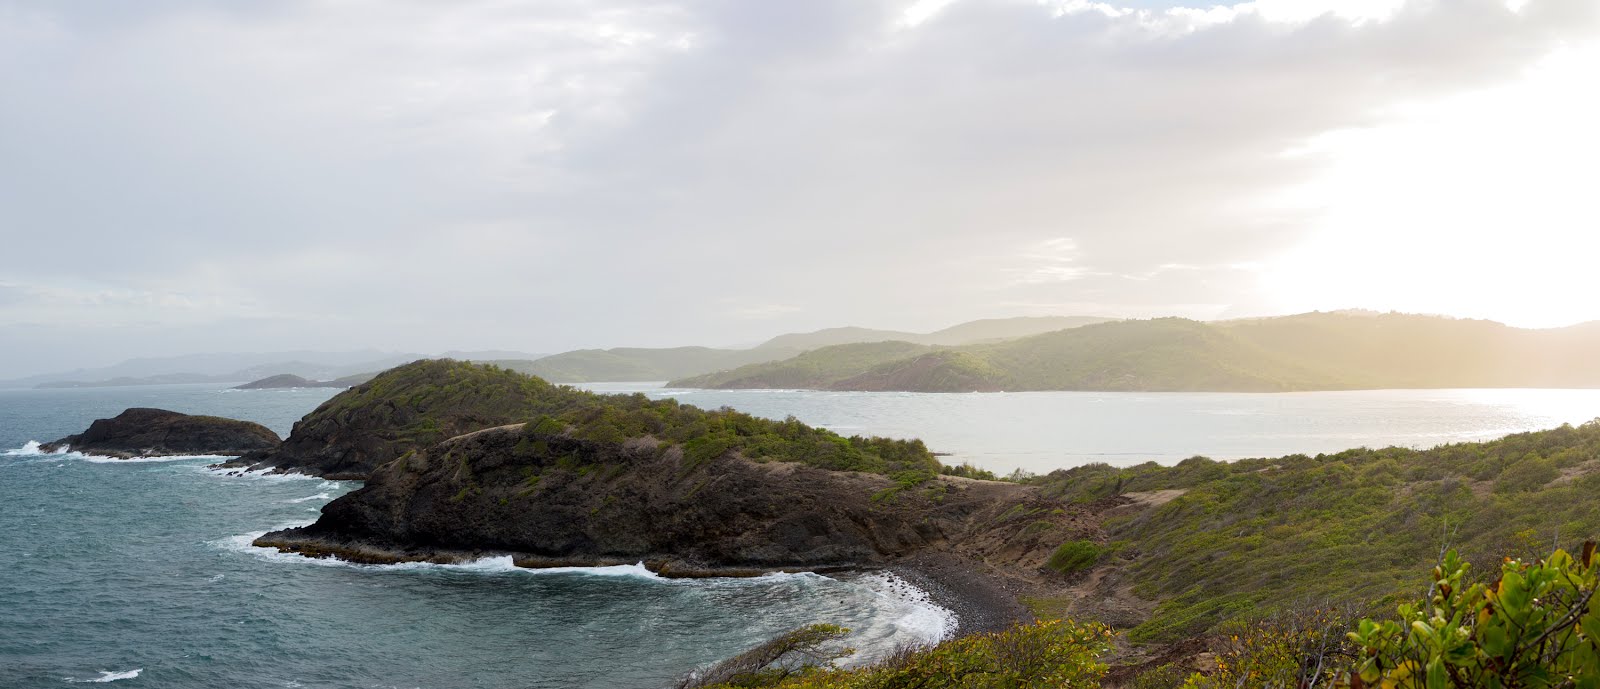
1480 206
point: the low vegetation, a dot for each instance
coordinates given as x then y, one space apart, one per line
1051 653
705 435
1254 536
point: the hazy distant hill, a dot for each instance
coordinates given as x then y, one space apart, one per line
818 368
642 364
236 367
966 333
1316 351
638 364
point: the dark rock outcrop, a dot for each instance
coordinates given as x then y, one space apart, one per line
142 432
552 499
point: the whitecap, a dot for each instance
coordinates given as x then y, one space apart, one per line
109 676
34 448
309 498
264 475
916 615
28 449
635 570
102 459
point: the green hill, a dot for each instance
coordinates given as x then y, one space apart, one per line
639 364
1315 351
632 364
814 369
972 332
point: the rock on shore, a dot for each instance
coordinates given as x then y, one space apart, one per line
143 432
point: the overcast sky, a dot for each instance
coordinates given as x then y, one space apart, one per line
182 176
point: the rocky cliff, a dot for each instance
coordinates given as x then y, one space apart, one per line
550 498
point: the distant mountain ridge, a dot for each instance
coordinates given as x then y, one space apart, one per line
1313 351
972 332
645 364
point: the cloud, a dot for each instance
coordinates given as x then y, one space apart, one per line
561 174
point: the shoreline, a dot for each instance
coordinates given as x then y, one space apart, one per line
981 601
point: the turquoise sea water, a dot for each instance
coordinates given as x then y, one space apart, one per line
140 573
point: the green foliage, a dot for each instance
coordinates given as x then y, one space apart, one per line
903 481
1074 556
1300 648
1053 653
1537 626
966 470
707 435
1256 535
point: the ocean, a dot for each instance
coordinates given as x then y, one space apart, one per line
141 572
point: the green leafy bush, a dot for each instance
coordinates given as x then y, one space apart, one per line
1537 626
1074 556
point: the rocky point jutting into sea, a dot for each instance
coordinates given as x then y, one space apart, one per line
141 432
587 479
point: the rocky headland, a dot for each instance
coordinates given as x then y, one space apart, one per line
142 432
401 410
579 479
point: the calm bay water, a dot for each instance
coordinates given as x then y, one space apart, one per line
1044 431
108 567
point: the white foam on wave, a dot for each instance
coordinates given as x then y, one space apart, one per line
916 615
264 475
494 564
32 448
637 570
102 459
309 498
28 449
108 676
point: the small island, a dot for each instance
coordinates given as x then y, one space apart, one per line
289 380
144 432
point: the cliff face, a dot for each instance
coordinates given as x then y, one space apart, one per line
406 408
142 432
552 499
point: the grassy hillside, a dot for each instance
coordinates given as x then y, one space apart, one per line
1399 350
814 369
1316 351
1245 538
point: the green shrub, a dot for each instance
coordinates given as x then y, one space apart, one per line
1537 626
1074 556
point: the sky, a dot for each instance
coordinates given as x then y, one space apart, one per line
187 176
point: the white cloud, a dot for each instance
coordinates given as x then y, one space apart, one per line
400 172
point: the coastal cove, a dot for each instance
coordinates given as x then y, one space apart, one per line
145 565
